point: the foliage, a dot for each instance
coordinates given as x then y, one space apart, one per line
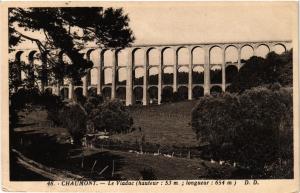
211 112
258 71
32 97
28 99
97 115
92 102
69 29
74 118
253 129
111 116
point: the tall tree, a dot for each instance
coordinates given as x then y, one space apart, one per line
69 29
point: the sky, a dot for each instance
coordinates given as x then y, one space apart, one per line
202 22
166 23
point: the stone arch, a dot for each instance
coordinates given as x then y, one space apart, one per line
167 76
183 75
216 74
94 76
153 94
279 48
231 72
247 51
262 50
153 75
18 55
106 92
198 91
231 54
121 78
24 57
88 53
108 57
31 56
182 93
45 64
64 93
183 55
138 57
215 89
198 75
21 74
198 55
65 60
153 56
34 60
138 94
215 55
138 76
107 72
93 55
122 57
121 93
167 94
168 56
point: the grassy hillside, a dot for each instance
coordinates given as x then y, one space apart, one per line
166 124
47 145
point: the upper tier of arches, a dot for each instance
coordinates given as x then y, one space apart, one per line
167 55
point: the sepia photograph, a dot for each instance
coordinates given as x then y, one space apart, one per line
158 94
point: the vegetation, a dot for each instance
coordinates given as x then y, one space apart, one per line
259 71
68 29
253 125
74 118
253 128
110 116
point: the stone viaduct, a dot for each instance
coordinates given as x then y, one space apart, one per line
130 65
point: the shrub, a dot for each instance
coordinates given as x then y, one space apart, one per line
214 120
254 128
111 116
263 114
74 118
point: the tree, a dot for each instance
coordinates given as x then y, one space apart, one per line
74 118
258 71
254 129
69 29
214 121
111 116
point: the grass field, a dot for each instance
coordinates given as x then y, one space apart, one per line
166 124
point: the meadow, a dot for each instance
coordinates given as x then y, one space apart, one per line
165 125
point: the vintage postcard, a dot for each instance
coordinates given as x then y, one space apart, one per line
150 96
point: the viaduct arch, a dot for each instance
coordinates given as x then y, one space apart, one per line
197 65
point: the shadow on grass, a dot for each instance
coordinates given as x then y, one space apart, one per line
42 148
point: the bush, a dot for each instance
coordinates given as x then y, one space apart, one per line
111 116
74 118
254 128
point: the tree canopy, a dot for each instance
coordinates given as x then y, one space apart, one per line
259 71
69 29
